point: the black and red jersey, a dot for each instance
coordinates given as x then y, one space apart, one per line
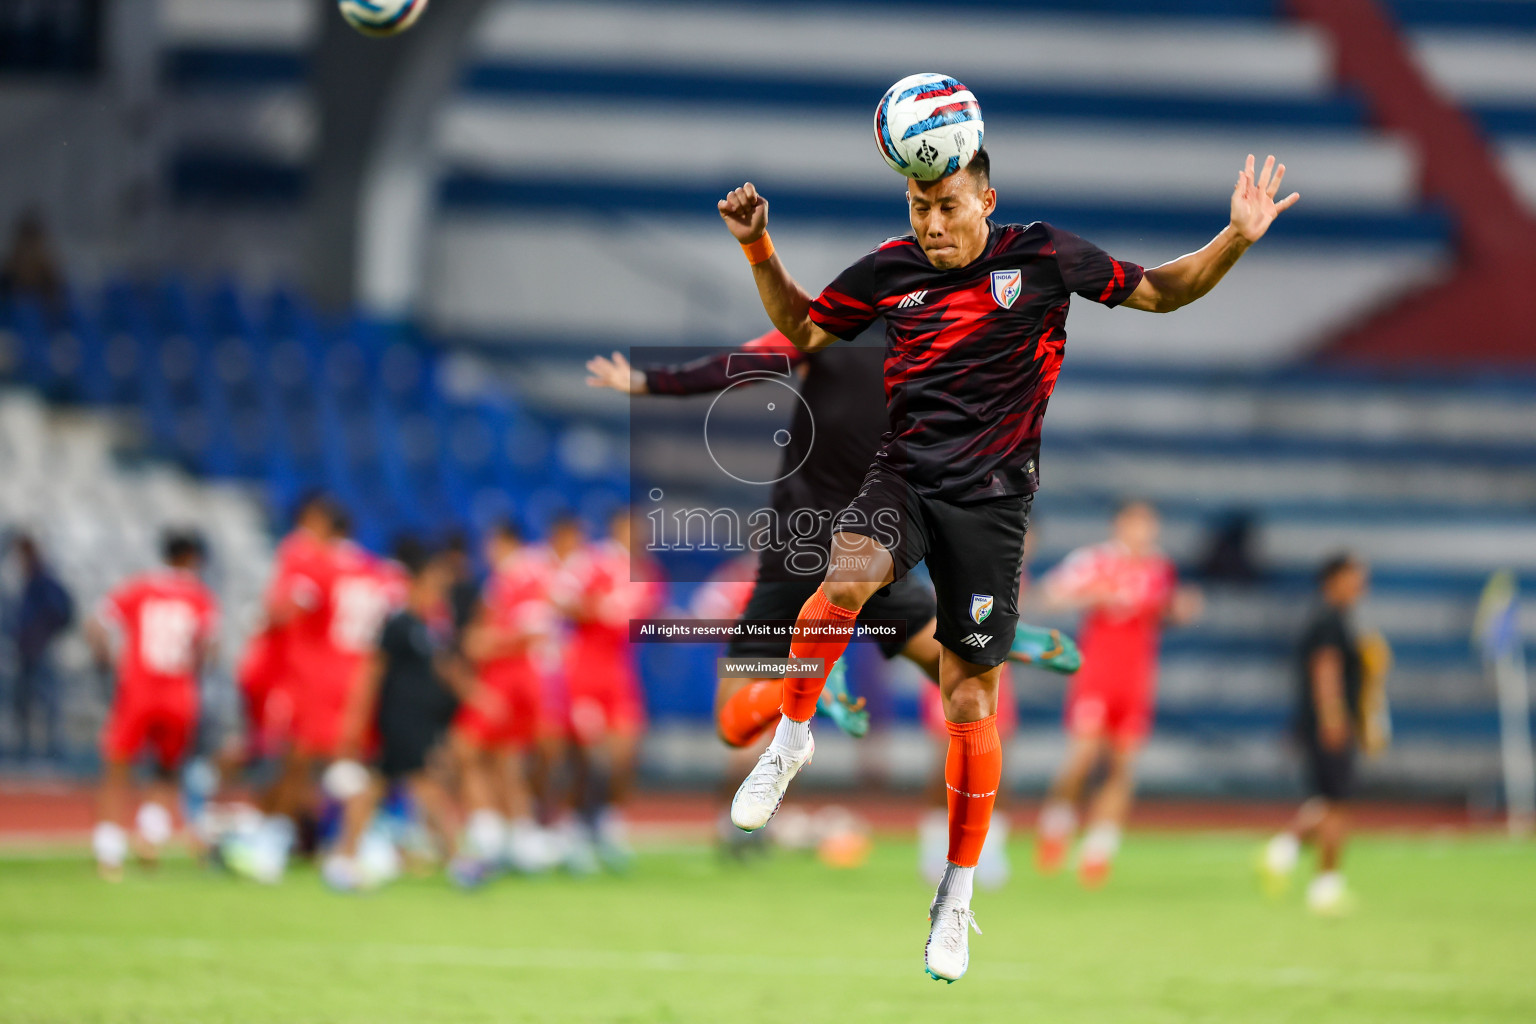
972 354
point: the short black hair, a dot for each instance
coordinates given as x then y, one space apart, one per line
178 547
506 529
1336 563
980 168
413 555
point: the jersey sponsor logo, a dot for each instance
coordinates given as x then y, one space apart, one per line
981 607
1006 286
912 299
977 640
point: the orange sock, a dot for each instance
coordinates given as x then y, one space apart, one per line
800 694
973 769
749 711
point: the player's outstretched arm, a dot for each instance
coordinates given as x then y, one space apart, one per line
789 307
695 377
1180 282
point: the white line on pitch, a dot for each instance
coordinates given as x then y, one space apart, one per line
1294 977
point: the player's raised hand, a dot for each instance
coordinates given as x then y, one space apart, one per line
745 213
1254 207
615 373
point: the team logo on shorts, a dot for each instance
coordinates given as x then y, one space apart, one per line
1006 285
981 607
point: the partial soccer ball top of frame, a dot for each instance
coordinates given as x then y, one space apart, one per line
928 126
381 17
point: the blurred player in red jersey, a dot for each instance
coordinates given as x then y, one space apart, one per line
553 560
495 731
268 701
612 584
364 588
298 616
164 622
1128 590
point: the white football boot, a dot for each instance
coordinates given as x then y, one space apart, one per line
948 952
762 790
1327 895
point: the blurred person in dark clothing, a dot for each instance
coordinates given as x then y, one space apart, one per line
464 590
30 268
412 686
1330 674
43 609
1229 554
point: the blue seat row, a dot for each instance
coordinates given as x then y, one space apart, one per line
264 388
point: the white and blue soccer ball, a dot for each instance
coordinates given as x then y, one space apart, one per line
381 17
928 126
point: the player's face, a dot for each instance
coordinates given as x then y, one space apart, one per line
949 218
498 546
565 539
1137 527
429 588
1354 582
317 521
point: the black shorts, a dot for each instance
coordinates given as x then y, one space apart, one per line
974 553
406 742
1330 773
905 600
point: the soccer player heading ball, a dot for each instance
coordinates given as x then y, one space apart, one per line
975 317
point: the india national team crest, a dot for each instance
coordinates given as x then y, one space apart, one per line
1006 285
981 604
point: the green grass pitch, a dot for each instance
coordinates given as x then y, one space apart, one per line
1445 931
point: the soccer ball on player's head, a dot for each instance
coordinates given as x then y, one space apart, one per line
381 17
928 126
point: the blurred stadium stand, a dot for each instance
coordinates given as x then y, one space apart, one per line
98 512
577 164
1433 482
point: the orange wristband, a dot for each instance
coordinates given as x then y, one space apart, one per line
760 251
